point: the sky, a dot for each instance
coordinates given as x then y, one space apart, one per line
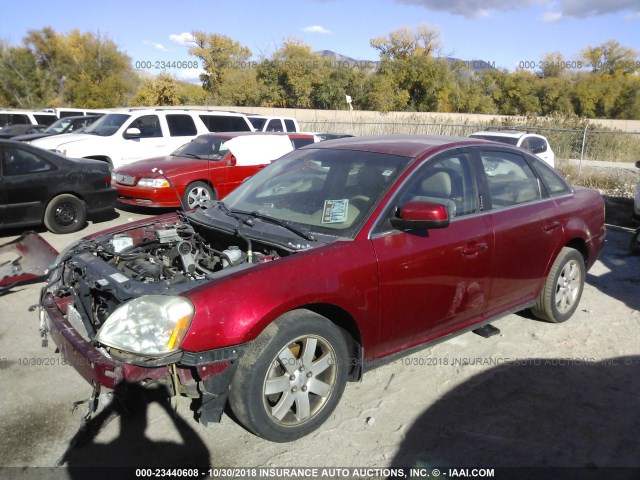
504 33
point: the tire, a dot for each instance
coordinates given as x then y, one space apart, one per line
196 194
65 213
634 244
562 290
291 377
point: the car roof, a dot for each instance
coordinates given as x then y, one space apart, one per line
403 145
240 134
505 133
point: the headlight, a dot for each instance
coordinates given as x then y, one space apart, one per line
148 325
153 182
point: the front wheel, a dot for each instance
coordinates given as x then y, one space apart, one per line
65 213
197 194
563 288
291 377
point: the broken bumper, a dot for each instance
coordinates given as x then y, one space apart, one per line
214 369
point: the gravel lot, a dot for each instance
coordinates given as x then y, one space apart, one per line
537 394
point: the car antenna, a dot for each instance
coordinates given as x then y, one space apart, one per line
156 169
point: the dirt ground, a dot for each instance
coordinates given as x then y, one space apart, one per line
537 394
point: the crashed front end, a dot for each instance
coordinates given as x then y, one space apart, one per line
117 308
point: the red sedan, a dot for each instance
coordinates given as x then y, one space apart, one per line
207 168
335 258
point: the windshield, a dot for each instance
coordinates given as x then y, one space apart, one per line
107 125
58 126
497 138
206 147
324 190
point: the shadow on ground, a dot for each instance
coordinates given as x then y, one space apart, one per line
132 448
540 412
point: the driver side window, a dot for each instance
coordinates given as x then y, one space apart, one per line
448 181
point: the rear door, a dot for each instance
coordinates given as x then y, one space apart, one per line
526 228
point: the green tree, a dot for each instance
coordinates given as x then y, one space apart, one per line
161 91
406 42
611 58
219 55
77 69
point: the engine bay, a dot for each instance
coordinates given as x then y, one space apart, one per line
164 257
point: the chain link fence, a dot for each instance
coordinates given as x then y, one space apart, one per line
586 144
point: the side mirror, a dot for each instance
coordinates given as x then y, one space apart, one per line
538 149
132 132
231 161
417 215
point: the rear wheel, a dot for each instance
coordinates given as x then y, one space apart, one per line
197 194
65 213
291 377
563 288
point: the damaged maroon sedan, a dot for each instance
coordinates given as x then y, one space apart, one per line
333 258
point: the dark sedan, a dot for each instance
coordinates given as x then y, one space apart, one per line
39 186
13 131
334 258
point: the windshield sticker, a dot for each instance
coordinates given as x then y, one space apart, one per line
387 172
335 211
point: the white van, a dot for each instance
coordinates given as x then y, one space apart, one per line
26 117
126 136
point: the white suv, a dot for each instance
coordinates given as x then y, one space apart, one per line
26 117
536 144
125 136
264 123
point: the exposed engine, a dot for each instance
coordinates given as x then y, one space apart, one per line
175 253
105 272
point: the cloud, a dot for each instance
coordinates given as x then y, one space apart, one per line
561 8
594 8
317 29
190 75
184 38
158 46
471 8
551 17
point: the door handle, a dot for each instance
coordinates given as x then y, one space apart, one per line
474 248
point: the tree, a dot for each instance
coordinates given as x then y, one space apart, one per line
163 90
219 55
611 58
52 69
405 42
296 71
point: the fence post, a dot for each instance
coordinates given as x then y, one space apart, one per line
584 139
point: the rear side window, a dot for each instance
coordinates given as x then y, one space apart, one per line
510 179
223 123
274 125
16 161
555 185
45 119
181 126
13 119
291 127
301 142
